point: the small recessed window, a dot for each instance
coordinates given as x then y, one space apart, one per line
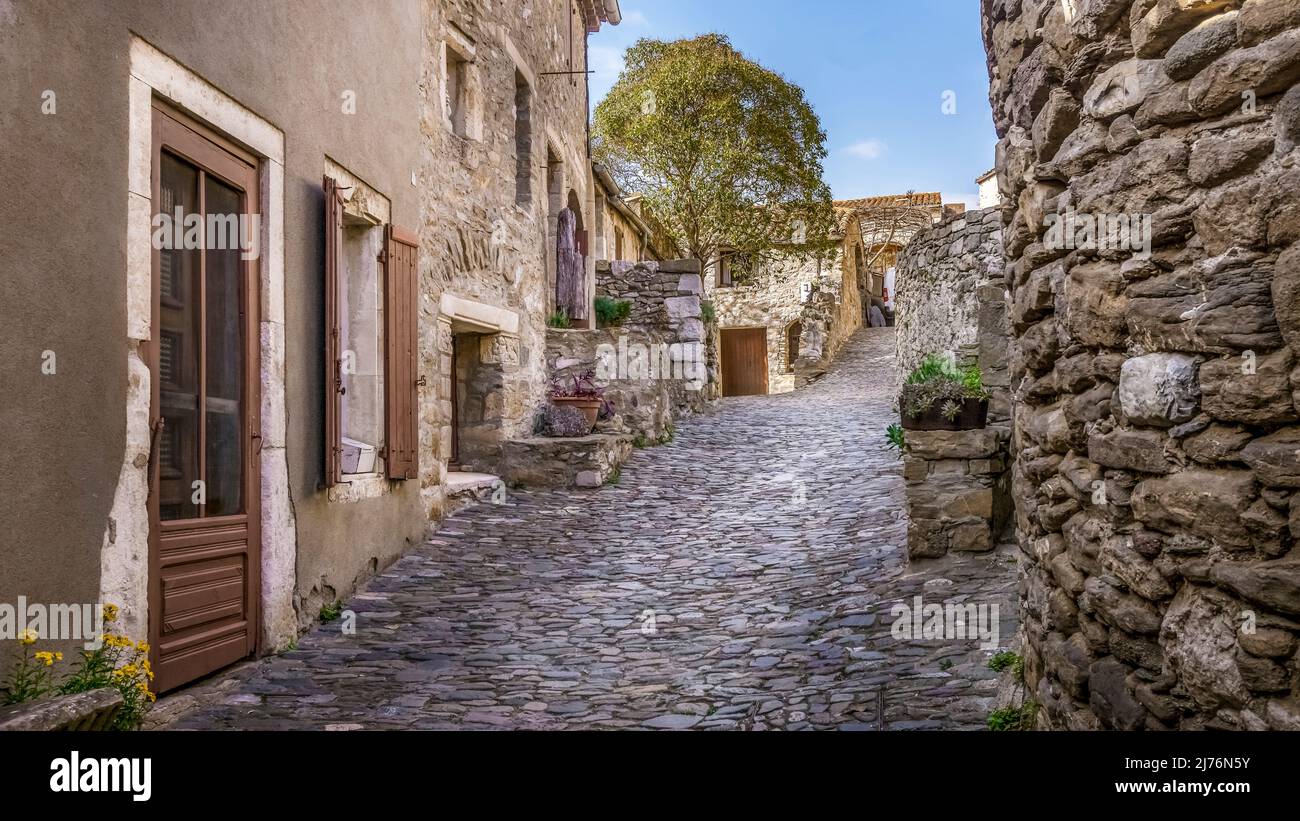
523 140
456 68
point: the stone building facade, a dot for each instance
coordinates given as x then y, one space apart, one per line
512 152
1154 354
807 307
401 167
624 232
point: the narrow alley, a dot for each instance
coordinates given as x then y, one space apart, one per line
740 577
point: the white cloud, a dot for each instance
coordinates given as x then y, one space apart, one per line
866 149
606 64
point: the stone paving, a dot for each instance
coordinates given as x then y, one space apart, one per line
740 577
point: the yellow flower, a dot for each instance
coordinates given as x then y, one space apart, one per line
58 657
142 646
110 612
46 656
27 637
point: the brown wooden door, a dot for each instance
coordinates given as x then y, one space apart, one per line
744 361
204 489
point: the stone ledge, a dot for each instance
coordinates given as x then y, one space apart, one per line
583 461
92 710
980 443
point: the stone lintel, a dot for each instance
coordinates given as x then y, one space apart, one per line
469 316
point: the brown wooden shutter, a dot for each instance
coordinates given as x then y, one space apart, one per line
401 322
333 335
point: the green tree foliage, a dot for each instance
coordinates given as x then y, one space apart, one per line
726 154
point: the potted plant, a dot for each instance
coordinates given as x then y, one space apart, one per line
941 395
583 393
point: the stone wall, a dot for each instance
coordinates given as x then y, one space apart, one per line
650 375
654 367
957 491
662 293
938 280
1155 432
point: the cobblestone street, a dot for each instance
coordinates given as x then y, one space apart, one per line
741 577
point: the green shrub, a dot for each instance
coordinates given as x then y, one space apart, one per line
708 313
939 380
1007 659
897 438
1014 718
611 311
559 319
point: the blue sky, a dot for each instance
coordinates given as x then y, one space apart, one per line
876 72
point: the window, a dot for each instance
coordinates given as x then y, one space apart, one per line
204 341
370 303
792 335
461 98
724 272
523 141
455 88
735 268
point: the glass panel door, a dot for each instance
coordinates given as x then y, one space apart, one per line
179 343
201 347
224 355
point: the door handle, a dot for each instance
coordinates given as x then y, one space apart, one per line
257 437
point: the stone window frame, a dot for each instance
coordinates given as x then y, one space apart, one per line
376 206
464 117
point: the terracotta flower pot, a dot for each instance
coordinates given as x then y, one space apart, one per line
589 406
974 414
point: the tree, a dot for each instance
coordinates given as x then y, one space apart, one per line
725 153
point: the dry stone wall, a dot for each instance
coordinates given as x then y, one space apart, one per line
956 491
1154 354
940 273
654 367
